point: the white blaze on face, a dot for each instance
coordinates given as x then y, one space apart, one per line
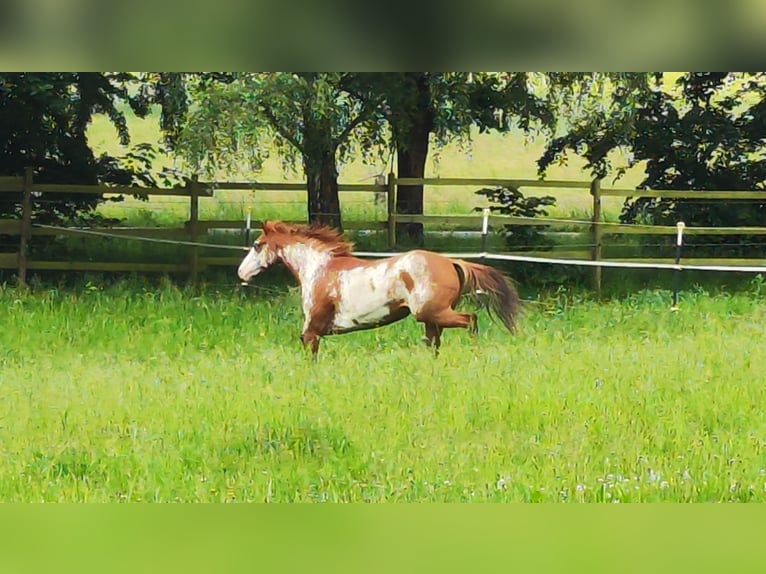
258 258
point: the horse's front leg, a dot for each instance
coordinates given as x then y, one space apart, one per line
316 324
433 336
473 328
310 340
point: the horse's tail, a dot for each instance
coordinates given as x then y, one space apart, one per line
487 282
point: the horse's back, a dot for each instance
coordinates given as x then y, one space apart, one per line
439 267
434 278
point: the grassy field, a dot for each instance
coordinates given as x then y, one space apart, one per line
131 391
128 393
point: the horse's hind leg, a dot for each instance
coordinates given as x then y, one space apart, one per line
473 327
310 340
433 336
447 318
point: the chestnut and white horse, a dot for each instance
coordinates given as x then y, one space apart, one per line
342 293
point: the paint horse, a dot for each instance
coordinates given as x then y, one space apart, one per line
341 293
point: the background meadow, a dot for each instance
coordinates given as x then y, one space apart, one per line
135 393
488 155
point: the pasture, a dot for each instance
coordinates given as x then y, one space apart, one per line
131 393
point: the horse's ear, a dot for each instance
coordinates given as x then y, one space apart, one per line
269 226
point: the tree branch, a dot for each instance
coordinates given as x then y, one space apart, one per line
363 116
275 124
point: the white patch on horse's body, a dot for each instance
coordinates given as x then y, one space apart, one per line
367 293
417 266
308 263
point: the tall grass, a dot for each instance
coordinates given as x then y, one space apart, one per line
144 391
135 392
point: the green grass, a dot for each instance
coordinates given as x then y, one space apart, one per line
135 393
129 391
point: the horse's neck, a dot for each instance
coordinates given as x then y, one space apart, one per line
304 261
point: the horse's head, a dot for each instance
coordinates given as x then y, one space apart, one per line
314 243
262 254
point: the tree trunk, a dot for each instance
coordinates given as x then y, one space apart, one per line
411 157
322 180
321 172
411 162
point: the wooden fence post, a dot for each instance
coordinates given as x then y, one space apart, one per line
193 227
26 225
391 208
595 191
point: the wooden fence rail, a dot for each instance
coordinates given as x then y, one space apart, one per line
195 229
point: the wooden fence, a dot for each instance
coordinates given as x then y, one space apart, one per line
195 229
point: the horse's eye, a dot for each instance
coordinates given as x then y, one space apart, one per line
257 246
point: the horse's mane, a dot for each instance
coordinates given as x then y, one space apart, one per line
330 239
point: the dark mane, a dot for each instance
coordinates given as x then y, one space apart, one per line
330 239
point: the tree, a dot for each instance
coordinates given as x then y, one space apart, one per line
320 119
706 134
43 123
315 119
421 106
425 107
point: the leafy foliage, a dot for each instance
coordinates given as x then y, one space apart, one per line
455 102
315 120
43 122
242 117
706 134
511 201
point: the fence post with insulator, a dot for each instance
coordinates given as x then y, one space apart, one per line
248 245
484 232
677 276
